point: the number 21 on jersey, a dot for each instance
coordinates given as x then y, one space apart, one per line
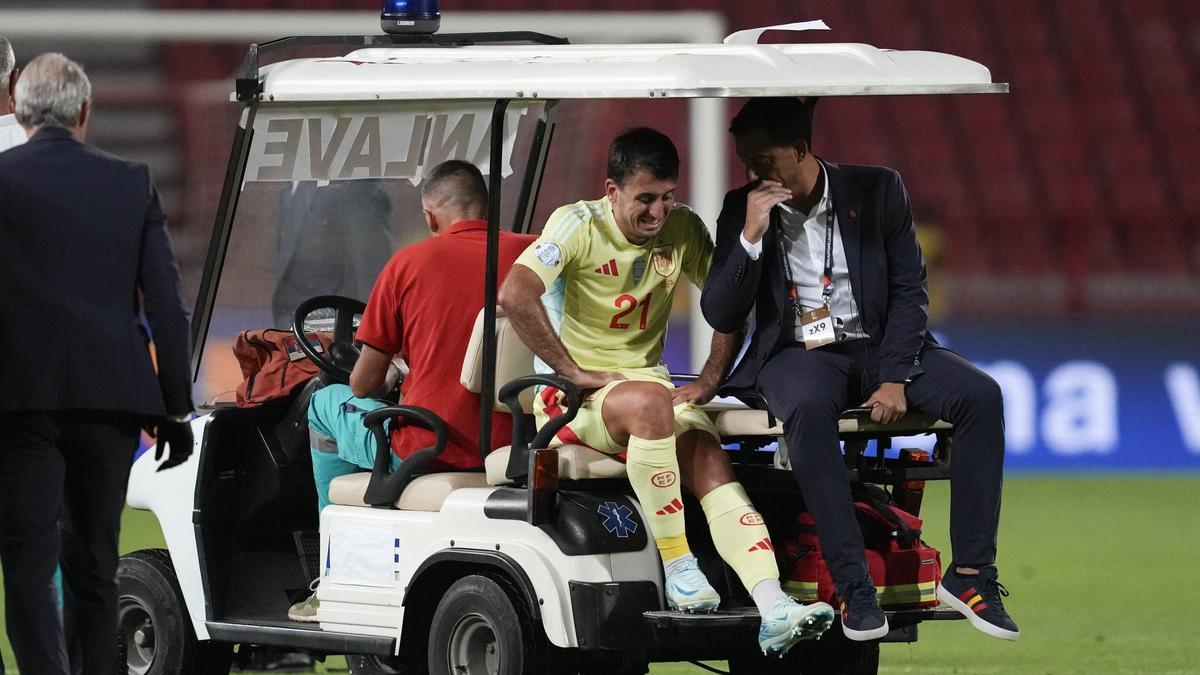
628 304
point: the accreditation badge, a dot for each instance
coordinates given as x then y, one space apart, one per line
817 327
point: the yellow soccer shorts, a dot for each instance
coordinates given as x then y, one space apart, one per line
588 427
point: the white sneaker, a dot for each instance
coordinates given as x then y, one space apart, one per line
305 611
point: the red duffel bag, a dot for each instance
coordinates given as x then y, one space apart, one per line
272 364
906 570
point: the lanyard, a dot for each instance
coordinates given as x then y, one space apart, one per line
826 278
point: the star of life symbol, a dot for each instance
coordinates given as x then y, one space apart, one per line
617 519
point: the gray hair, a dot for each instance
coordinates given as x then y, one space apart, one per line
8 61
51 92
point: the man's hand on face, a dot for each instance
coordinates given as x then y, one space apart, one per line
590 379
699 392
887 404
759 203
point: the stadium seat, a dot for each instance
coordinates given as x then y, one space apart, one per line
965 251
1084 76
1157 242
856 124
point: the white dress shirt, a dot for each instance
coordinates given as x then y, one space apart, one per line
11 133
804 239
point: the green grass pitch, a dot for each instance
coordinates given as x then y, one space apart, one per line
1103 574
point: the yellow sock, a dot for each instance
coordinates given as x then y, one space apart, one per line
653 471
740 534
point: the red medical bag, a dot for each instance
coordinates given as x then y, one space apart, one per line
272 364
906 570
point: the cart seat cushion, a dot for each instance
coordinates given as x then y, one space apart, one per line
575 462
748 422
424 493
513 360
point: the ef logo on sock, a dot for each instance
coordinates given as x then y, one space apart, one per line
751 519
663 479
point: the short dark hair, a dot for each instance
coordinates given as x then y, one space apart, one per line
642 149
784 119
456 183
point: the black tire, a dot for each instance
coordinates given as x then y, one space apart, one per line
154 631
828 656
478 629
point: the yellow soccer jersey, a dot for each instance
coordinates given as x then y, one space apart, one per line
607 298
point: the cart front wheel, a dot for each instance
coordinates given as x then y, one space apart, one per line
154 633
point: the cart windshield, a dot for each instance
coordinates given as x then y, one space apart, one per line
329 193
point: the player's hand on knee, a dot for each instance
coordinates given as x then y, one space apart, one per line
593 379
887 404
698 392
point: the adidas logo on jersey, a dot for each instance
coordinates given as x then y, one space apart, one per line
609 268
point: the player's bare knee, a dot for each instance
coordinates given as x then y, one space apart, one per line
648 398
645 408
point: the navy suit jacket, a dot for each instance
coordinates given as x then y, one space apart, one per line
887 274
84 250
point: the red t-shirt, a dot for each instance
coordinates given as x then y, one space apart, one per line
423 306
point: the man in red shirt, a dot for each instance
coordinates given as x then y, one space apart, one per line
422 308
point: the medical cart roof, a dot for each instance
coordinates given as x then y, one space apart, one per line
622 71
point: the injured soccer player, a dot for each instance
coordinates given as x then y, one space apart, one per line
591 297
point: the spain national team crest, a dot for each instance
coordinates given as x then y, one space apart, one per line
664 260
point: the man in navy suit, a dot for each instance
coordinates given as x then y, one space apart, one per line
827 256
84 251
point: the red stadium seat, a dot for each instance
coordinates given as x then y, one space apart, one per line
1092 159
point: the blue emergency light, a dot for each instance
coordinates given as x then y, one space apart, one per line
410 16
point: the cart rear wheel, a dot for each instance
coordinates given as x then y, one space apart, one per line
479 630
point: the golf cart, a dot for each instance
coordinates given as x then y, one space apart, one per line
540 562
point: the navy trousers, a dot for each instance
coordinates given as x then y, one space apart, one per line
65 470
808 390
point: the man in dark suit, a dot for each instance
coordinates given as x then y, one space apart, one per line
83 250
342 229
828 257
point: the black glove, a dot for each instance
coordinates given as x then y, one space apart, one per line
177 435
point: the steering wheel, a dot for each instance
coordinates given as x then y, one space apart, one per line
338 360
